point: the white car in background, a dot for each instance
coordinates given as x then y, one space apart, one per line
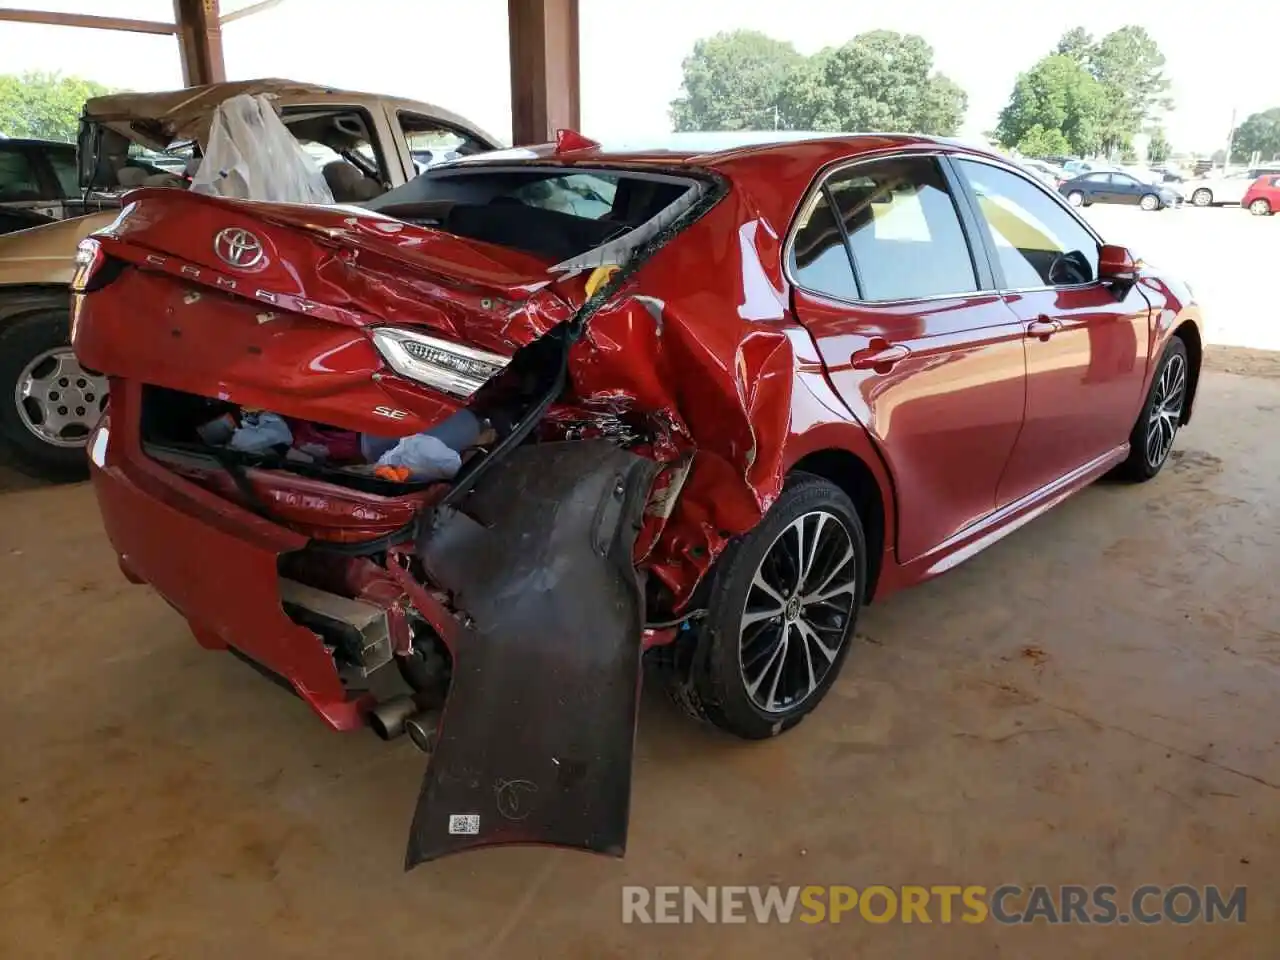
1050 173
1215 190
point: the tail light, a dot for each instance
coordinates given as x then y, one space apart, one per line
94 269
89 260
442 364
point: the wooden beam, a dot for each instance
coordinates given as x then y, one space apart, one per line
86 20
544 68
248 11
200 41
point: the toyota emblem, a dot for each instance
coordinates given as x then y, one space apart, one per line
238 247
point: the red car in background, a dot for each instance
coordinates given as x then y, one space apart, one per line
719 400
1263 196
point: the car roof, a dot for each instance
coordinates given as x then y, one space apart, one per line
716 149
186 114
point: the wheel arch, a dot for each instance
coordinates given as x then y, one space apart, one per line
851 473
1189 334
18 301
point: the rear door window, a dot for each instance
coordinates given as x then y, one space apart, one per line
819 259
431 142
341 143
903 230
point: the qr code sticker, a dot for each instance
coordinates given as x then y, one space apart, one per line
466 824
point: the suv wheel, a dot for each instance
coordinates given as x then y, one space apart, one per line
48 402
782 607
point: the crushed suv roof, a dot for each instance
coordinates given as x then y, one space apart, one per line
186 114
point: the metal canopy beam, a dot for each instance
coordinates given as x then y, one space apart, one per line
544 68
87 20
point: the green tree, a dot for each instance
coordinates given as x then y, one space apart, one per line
1076 43
1039 142
1158 148
881 80
1129 91
1260 132
44 105
1057 94
1130 67
732 81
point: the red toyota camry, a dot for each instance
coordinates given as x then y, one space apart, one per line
449 463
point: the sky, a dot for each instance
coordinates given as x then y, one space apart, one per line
454 52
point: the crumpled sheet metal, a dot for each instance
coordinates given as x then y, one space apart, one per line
693 350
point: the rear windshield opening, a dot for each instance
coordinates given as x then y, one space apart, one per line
556 213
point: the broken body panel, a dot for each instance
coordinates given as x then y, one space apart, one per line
674 364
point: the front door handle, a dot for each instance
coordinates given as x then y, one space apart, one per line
880 356
1043 327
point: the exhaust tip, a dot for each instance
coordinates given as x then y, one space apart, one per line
388 718
422 728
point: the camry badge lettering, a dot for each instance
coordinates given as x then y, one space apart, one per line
238 247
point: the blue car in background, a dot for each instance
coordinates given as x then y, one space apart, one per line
1114 186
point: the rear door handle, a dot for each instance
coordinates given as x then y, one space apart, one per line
1043 328
880 356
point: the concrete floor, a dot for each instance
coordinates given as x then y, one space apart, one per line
1090 701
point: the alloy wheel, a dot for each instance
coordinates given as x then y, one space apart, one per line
1075 198
1149 202
58 400
1202 198
1166 409
798 610
1260 208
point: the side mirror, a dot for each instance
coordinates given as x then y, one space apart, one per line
1116 263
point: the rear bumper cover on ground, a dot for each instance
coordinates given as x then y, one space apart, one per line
538 729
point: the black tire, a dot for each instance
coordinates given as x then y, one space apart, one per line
1140 465
1077 199
703 671
1149 201
1202 197
21 340
1261 208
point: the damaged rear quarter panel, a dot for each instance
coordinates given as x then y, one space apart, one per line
699 341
